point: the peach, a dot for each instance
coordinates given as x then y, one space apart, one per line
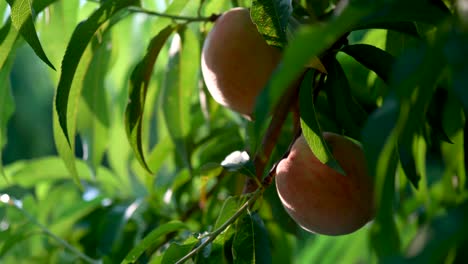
320 199
236 61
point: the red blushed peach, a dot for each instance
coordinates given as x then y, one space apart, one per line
320 199
236 61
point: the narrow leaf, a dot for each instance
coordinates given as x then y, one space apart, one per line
9 35
271 18
94 112
243 246
375 59
406 27
23 21
76 47
7 108
309 123
176 251
139 82
341 101
179 85
151 238
230 207
400 11
309 42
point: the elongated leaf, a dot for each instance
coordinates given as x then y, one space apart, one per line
151 238
309 42
23 21
455 52
230 206
400 11
309 123
243 246
375 59
341 101
65 148
139 81
94 111
271 18
380 140
7 108
405 27
251 242
176 251
75 50
179 86
29 173
408 164
9 34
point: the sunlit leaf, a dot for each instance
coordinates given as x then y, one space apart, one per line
271 18
23 21
179 86
73 55
139 82
309 123
95 111
151 238
6 110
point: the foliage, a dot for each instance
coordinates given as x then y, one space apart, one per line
147 168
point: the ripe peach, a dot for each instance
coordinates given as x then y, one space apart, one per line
236 61
320 199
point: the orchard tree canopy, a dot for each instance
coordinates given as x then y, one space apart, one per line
241 131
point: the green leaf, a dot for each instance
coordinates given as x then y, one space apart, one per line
251 242
455 52
405 27
445 233
403 11
177 251
139 82
151 238
7 108
179 85
347 111
75 50
23 21
309 42
29 173
309 123
408 164
8 36
375 59
379 139
271 18
230 207
95 109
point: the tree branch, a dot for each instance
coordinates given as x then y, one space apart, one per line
270 138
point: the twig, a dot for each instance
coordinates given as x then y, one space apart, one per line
52 235
218 231
271 136
211 18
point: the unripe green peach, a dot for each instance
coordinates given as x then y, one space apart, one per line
319 198
236 61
